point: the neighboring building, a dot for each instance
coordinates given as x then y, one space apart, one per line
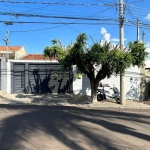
33 57
13 52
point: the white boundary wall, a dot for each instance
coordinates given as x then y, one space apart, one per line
132 83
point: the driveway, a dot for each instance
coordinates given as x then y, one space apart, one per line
28 127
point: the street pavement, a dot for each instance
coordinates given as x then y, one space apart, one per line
38 127
71 122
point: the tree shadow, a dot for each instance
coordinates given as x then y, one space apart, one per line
44 81
53 99
69 126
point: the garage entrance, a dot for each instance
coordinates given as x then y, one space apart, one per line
42 78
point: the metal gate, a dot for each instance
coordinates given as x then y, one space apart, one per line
19 78
47 78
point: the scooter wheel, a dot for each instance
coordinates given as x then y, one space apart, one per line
99 97
117 100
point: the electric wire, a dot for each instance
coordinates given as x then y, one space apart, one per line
41 7
59 3
52 16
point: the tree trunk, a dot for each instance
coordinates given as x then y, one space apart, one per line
94 86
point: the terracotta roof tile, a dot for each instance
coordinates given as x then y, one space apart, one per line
10 48
34 57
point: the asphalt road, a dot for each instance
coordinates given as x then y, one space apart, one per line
73 128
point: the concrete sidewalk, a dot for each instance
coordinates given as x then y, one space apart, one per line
66 100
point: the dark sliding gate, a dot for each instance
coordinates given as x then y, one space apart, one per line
42 78
19 78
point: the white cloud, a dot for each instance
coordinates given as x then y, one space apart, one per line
105 35
148 17
117 40
103 31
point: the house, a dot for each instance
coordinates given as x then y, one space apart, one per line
31 73
34 74
13 52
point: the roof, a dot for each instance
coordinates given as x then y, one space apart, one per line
33 57
10 48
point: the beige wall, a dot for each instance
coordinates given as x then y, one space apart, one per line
20 54
14 55
11 55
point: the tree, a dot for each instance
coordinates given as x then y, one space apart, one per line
107 59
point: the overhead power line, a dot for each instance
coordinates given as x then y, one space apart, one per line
139 8
45 16
32 22
59 3
108 23
61 26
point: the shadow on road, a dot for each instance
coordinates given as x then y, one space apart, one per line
55 98
75 128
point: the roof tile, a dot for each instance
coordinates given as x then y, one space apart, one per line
10 48
34 57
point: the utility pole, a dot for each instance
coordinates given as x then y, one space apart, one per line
121 19
138 29
143 36
6 42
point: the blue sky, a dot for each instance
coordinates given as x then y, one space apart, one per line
36 36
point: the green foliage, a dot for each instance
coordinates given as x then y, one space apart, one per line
54 41
138 53
98 54
78 75
117 61
55 75
52 52
81 39
111 61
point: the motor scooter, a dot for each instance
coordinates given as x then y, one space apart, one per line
111 93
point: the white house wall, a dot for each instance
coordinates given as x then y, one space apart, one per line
9 78
77 83
132 83
5 76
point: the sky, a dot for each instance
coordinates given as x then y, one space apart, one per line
36 23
